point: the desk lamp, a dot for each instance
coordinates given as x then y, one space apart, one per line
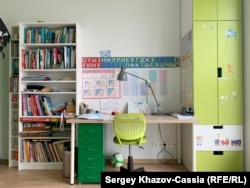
122 76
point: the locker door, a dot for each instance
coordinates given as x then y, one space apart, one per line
229 10
204 9
205 71
230 83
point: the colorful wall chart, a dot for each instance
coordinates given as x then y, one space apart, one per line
187 71
100 84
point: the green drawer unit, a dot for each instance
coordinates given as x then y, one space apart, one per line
226 161
91 152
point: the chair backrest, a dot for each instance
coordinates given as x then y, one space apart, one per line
130 126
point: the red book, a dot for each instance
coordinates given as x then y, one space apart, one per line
24 105
39 106
33 106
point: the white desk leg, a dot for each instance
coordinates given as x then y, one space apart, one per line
72 156
179 143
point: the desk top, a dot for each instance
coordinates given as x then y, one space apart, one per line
150 119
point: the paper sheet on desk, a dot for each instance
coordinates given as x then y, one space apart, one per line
96 116
180 116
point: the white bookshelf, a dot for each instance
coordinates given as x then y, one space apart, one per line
63 80
13 96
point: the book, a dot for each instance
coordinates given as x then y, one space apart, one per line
56 153
48 151
47 105
59 147
24 105
40 110
59 107
31 152
28 105
33 105
53 152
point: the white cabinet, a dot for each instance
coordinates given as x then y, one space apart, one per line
48 61
13 96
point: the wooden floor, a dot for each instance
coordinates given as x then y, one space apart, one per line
12 178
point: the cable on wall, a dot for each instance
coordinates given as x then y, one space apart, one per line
163 149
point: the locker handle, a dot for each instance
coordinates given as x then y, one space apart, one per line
218 152
219 72
218 127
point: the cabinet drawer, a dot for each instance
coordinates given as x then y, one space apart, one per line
219 138
92 129
219 161
90 158
91 167
90 149
90 177
90 139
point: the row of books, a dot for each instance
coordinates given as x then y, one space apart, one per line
40 105
15 49
44 129
49 58
14 83
46 35
43 150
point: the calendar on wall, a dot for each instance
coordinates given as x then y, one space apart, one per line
100 84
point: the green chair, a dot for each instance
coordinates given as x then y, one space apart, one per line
130 130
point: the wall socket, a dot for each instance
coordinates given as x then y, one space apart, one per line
159 144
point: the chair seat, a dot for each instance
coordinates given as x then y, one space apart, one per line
130 142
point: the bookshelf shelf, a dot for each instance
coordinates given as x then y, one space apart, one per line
13 96
48 60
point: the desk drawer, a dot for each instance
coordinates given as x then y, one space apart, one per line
90 149
90 139
89 177
91 167
91 158
90 129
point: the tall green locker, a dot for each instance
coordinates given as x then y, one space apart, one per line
218 83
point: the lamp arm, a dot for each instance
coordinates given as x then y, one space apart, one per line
157 103
137 77
147 82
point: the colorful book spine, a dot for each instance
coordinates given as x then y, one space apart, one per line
33 105
24 105
46 107
40 110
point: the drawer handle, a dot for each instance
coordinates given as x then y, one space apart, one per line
218 127
218 152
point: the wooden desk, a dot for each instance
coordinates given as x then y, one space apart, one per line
150 119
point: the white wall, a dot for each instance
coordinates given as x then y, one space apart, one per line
127 28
